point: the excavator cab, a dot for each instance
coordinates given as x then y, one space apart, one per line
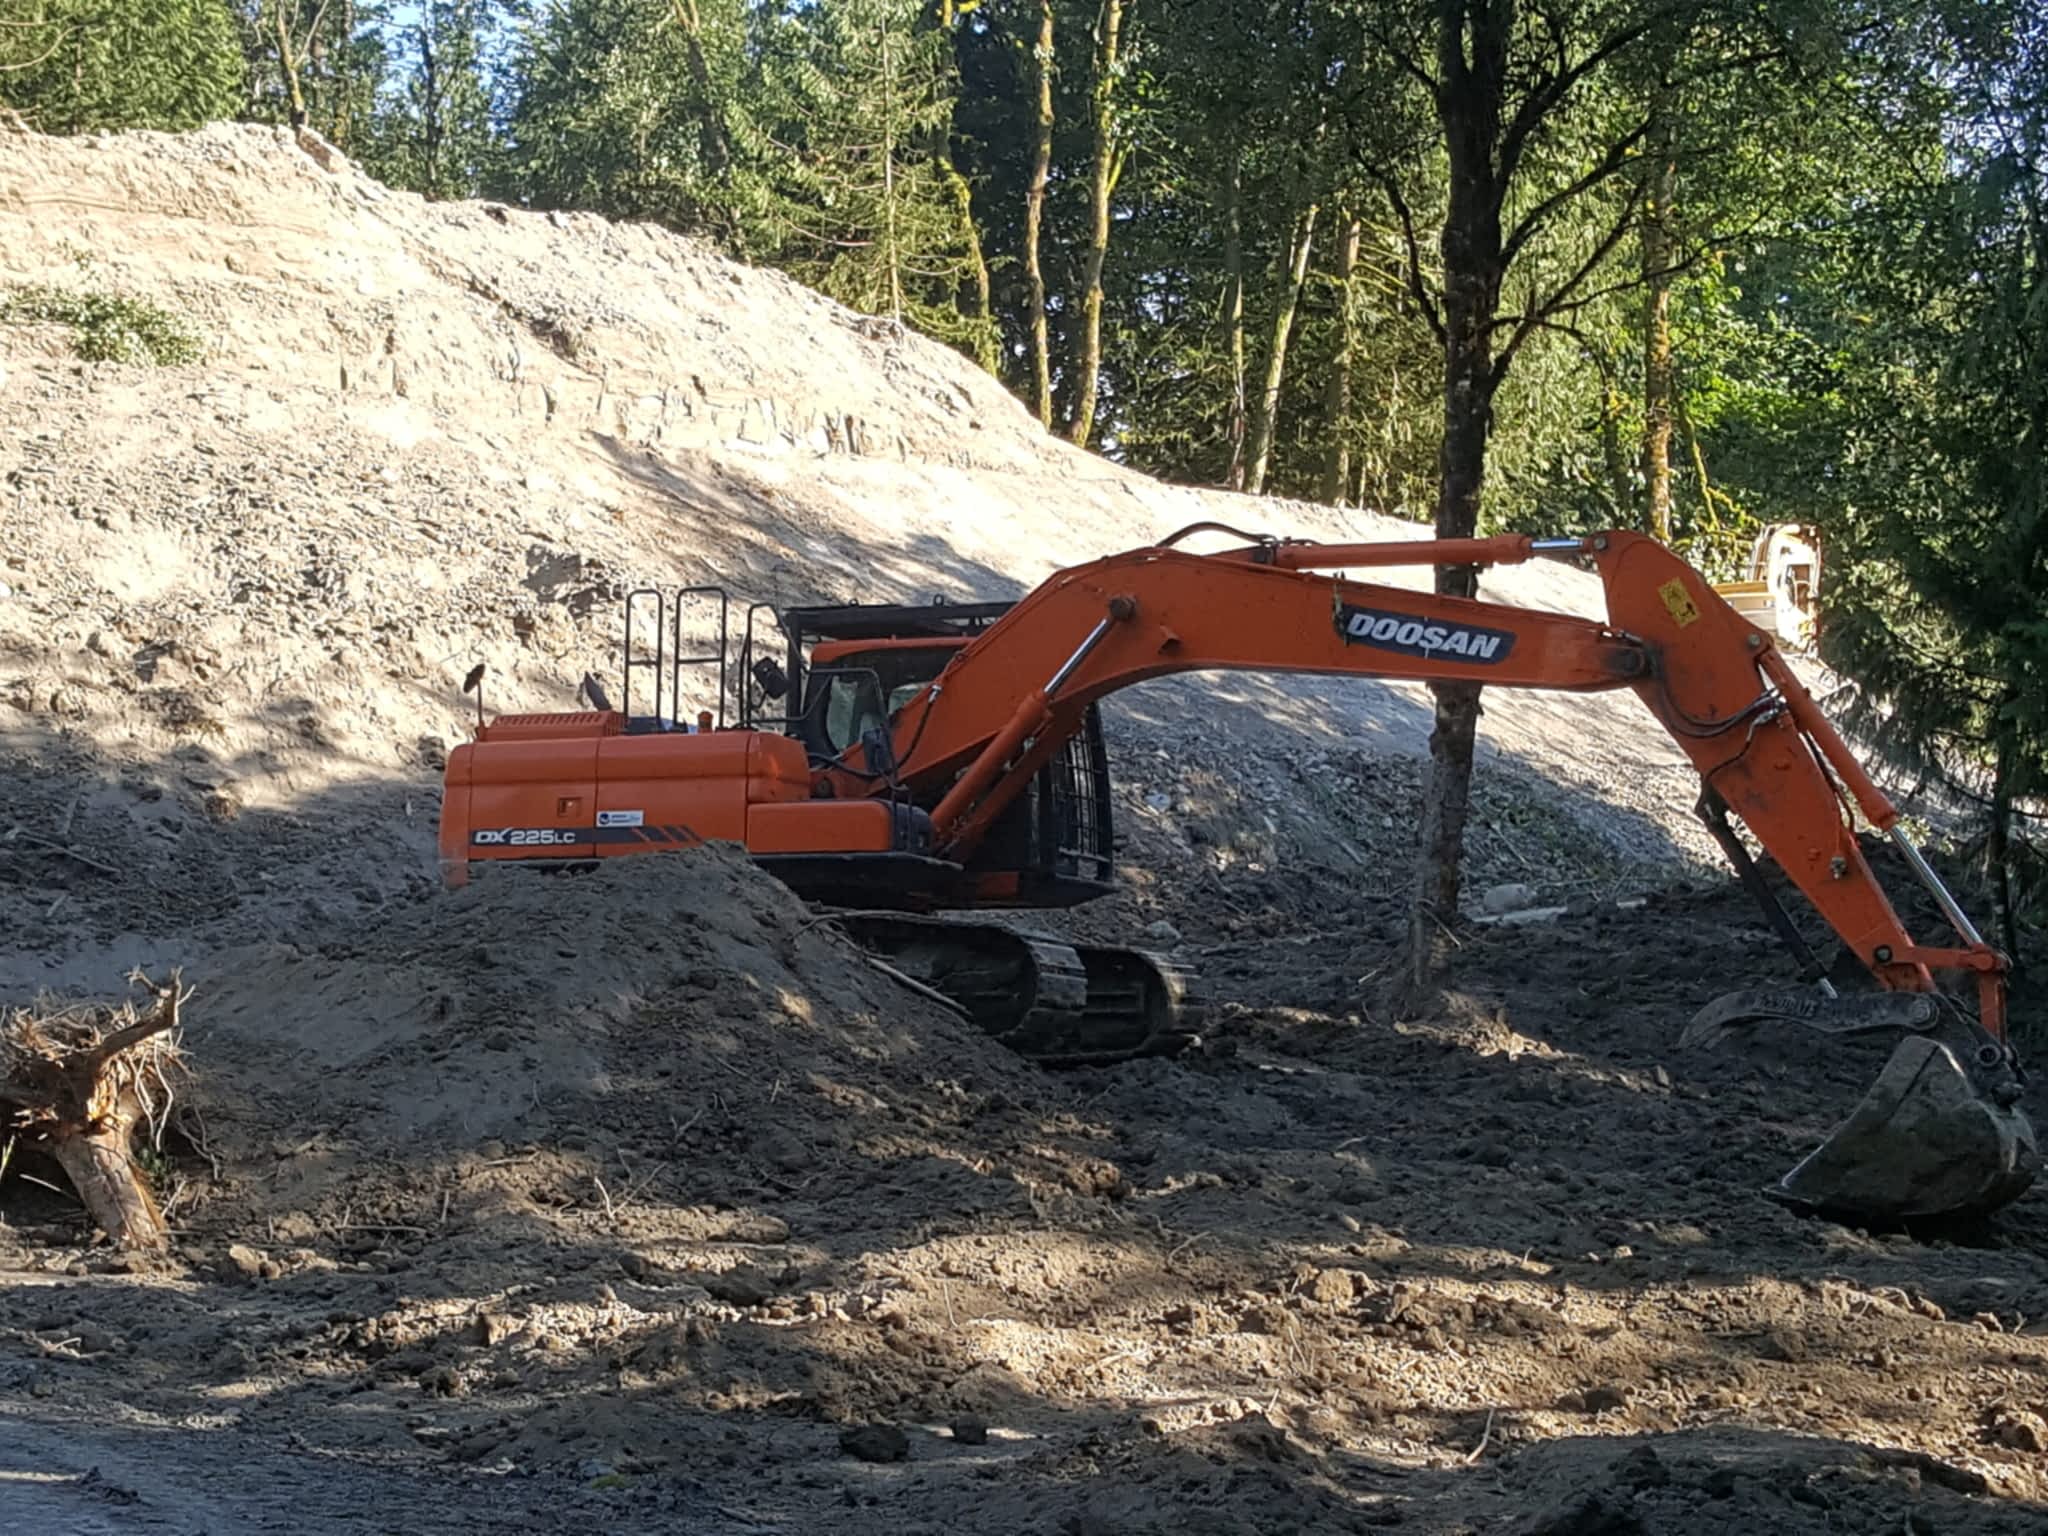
858 665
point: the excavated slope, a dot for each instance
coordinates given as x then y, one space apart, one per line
238 596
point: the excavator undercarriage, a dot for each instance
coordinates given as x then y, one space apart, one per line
903 764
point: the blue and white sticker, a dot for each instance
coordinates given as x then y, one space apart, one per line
620 818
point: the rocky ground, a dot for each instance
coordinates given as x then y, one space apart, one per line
639 1200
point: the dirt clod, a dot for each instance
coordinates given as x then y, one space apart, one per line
875 1442
743 1286
1592 1514
1606 1398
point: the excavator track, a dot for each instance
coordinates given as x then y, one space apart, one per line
1056 1003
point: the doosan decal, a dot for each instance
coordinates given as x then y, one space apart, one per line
1407 635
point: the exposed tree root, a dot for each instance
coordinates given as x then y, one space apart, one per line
80 1083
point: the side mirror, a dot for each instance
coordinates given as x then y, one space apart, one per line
474 683
773 680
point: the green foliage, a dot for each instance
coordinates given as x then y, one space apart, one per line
333 52
858 205
79 66
158 1168
105 327
815 137
433 133
1882 369
643 109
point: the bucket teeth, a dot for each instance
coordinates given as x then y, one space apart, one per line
1939 1133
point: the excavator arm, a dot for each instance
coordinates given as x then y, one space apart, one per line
1939 1132
1715 682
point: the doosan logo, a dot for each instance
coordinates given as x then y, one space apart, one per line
1409 636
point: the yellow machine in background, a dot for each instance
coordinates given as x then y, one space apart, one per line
1782 592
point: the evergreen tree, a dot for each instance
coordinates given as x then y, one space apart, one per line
865 209
643 109
1936 436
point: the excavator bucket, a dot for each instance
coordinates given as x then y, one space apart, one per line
1939 1134
1925 1141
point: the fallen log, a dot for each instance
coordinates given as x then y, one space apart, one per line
81 1083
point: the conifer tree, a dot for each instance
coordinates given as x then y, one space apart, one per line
643 109
863 209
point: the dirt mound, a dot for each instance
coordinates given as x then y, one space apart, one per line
237 595
646 1012
640 1194
643 1183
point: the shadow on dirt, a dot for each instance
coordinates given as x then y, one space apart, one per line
625 1195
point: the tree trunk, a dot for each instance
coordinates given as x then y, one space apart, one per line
1657 249
288 64
100 1163
1267 421
430 116
980 316
1337 394
344 104
1447 798
1034 218
1610 444
1472 262
1101 183
712 138
1999 844
1233 314
892 250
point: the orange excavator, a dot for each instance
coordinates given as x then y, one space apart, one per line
904 760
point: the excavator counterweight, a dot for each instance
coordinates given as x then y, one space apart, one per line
907 760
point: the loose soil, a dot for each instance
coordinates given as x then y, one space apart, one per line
626 1196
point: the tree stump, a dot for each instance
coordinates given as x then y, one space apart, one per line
79 1083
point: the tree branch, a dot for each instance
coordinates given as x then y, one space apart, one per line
1405 61
1692 259
1418 289
1543 99
1450 47
61 38
1616 157
1725 66
1559 300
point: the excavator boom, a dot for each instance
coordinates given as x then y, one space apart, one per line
937 782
